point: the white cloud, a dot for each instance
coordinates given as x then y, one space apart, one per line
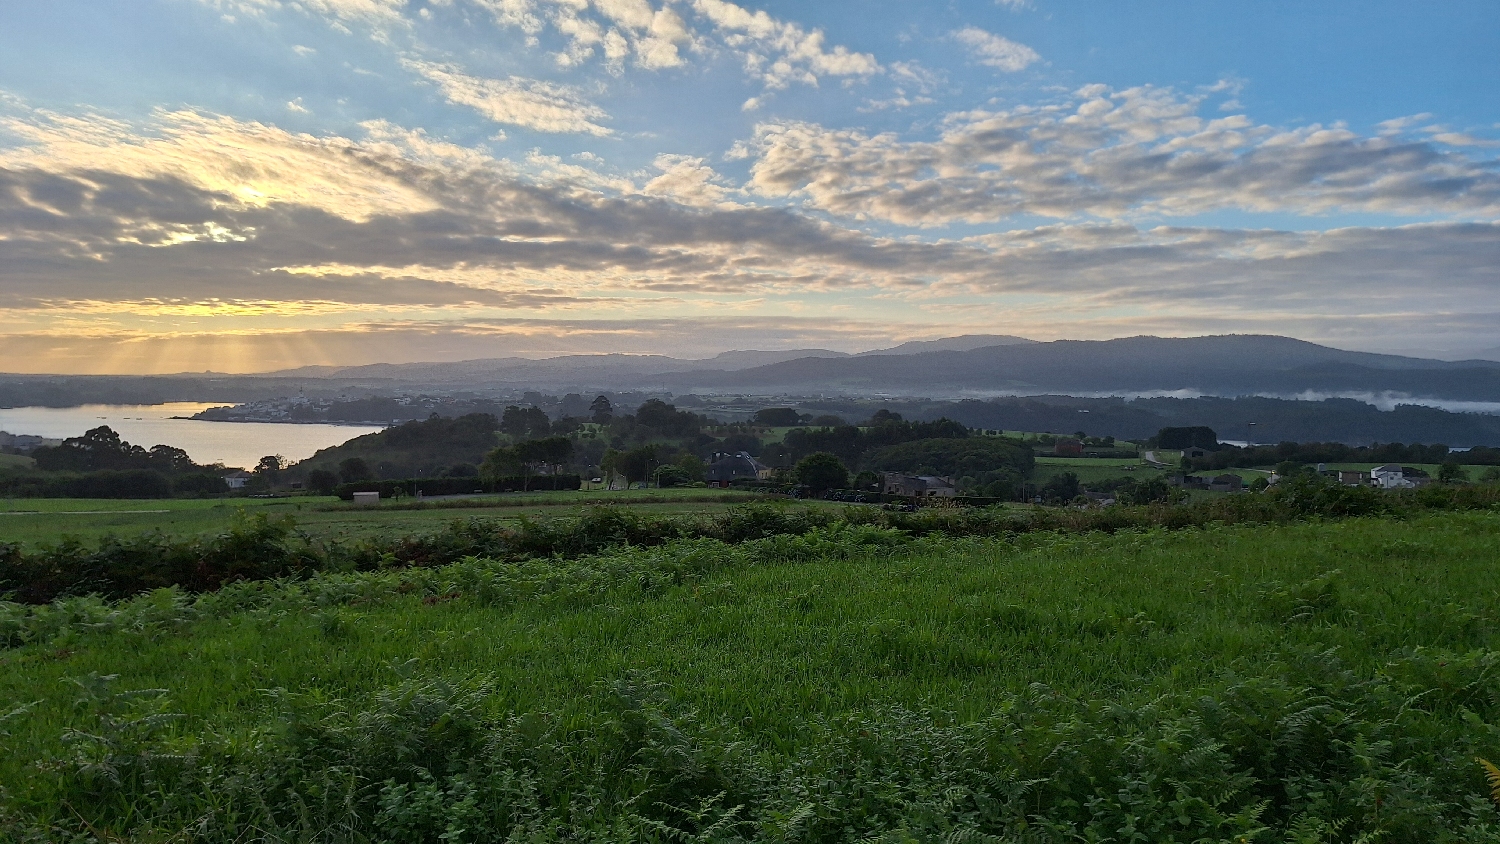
251 164
780 52
1141 151
777 52
996 50
529 103
368 12
297 106
687 180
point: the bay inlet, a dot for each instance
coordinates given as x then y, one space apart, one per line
231 443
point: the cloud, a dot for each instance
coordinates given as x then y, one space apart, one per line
995 50
687 180
780 52
529 103
234 162
376 13
140 232
1112 154
777 52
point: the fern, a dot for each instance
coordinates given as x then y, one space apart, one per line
1492 776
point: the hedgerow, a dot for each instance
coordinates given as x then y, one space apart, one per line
258 547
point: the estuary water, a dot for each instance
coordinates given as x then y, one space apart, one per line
231 443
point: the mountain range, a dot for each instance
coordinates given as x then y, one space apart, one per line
1223 365
954 367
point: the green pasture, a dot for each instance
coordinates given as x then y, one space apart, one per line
31 522
1430 468
1091 470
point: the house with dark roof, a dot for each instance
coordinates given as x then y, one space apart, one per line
1227 482
725 468
918 486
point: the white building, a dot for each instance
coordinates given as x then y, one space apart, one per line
1390 477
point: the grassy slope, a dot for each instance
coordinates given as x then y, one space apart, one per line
15 461
949 626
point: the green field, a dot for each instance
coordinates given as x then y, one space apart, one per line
11 462
31 522
1305 682
1094 469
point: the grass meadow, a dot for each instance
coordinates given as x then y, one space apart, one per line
1322 681
33 522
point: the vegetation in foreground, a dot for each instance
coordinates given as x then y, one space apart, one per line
1323 681
1307 683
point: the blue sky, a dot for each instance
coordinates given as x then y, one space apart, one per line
246 185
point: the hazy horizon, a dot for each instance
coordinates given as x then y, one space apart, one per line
246 186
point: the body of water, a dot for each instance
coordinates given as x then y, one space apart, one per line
231 443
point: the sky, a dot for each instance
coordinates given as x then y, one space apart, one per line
252 185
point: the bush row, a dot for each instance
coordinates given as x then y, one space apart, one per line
136 483
258 547
459 486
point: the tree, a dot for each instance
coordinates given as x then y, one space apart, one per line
693 465
1451 472
353 470
500 462
1176 439
1289 469
525 423
321 481
777 417
821 472
1147 491
670 475
601 411
735 443
554 452
636 463
1063 487
165 458
666 419
957 457
269 468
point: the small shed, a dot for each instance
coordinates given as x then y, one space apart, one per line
366 499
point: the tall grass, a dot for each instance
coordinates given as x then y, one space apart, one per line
1328 681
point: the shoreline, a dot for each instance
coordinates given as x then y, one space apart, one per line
344 424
